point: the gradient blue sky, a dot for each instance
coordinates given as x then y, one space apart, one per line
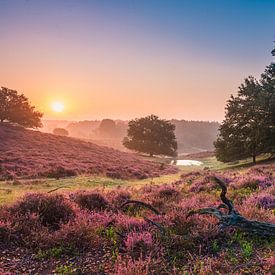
124 59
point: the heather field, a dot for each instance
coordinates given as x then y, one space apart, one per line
94 225
32 154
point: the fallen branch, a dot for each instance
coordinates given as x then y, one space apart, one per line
233 217
159 226
150 207
146 205
57 188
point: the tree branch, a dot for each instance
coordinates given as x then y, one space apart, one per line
146 205
233 218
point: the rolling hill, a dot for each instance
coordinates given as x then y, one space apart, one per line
27 154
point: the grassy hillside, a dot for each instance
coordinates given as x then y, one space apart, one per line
26 153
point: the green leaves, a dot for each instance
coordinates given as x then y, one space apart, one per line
16 108
151 135
249 120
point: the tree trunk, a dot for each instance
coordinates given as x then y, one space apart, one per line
254 159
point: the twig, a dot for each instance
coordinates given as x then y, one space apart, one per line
159 226
57 188
146 205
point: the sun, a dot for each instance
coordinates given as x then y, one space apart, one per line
58 107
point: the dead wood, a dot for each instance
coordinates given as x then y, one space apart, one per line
233 218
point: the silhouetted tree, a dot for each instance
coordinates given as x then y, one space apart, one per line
107 128
16 108
60 132
151 135
247 128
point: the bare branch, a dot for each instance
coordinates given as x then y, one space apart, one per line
207 211
233 218
223 197
159 226
146 205
57 188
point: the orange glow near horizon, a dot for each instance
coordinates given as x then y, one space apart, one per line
123 62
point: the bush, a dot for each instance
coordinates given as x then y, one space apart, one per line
4 232
139 243
91 201
60 132
51 209
78 234
265 201
119 197
168 192
59 172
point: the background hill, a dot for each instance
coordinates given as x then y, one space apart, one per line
192 136
27 153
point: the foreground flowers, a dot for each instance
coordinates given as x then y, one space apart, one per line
91 228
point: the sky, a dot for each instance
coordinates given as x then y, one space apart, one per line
126 59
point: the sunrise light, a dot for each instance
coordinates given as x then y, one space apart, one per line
57 107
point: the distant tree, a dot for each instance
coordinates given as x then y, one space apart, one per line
16 108
60 132
107 128
151 135
249 120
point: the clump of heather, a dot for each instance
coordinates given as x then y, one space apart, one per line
252 181
118 197
128 223
4 231
51 210
141 266
168 192
58 172
93 201
202 184
79 234
262 200
139 243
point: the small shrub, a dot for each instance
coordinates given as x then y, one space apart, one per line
138 243
265 201
4 232
91 201
59 172
51 209
119 197
167 192
139 267
76 236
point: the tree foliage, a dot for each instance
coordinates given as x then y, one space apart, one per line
107 128
60 132
247 128
16 108
151 135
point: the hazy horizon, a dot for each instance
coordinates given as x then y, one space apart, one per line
84 60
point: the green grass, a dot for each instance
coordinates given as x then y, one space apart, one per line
12 190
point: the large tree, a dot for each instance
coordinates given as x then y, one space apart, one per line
16 108
247 128
151 135
107 128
